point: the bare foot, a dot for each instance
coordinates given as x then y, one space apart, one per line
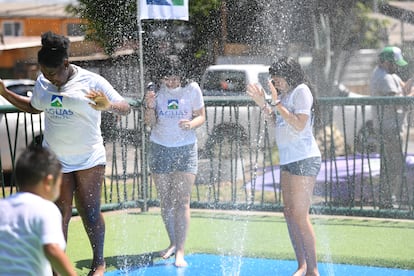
179 260
312 273
168 252
97 270
300 272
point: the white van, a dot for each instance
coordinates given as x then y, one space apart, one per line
229 123
20 128
232 79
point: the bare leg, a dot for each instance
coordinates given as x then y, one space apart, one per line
64 202
297 193
164 189
88 202
184 183
174 190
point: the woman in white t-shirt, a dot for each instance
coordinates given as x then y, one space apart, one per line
72 99
173 114
300 158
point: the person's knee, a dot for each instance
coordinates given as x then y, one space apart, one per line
66 211
294 213
92 217
182 205
287 212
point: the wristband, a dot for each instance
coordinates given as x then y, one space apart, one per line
265 109
275 103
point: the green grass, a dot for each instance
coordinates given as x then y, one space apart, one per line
130 234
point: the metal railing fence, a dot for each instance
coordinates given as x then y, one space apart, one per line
238 159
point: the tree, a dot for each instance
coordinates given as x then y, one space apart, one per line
114 24
111 23
329 32
340 30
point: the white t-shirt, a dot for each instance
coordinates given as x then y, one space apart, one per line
386 84
296 145
27 223
173 105
72 127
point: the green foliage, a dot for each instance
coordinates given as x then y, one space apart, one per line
206 25
344 26
112 23
372 31
203 8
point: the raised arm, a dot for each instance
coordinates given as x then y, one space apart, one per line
257 94
102 103
21 102
150 116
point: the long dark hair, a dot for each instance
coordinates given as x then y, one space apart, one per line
54 50
289 69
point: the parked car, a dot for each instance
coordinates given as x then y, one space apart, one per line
17 130
226 122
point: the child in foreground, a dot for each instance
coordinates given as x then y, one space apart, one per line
31 236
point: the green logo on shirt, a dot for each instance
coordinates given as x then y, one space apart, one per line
173 104
56 101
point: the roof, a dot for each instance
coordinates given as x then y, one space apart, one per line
13 10
400 10
20 42
402 5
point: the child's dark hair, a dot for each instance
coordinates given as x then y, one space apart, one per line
54 50
34 164
289 69
175 69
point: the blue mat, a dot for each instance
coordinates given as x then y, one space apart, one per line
212 265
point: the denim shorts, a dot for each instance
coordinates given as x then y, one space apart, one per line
305 167
173 159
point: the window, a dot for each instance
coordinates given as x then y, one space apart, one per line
12 29
75 29
224 83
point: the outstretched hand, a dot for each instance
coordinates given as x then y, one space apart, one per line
256 92
99 100
273 90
